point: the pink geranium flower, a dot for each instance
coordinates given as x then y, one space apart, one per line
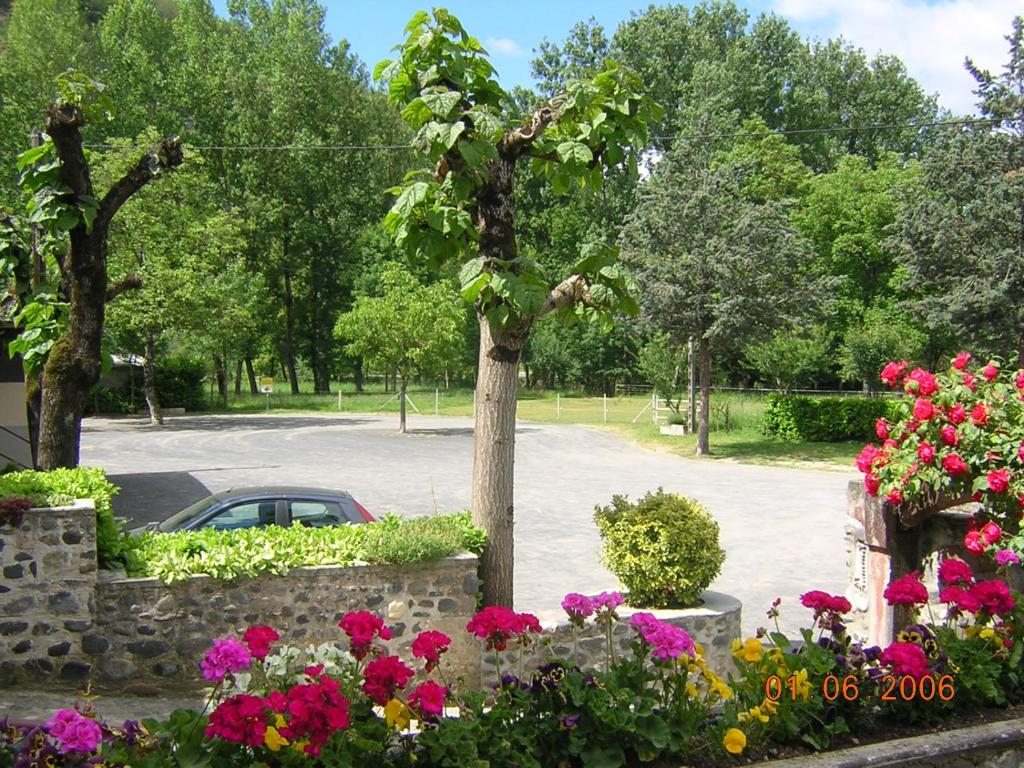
73 731
228 655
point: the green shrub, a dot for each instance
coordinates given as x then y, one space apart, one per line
664 548
230 554
825 419
60 487
179 383
108 400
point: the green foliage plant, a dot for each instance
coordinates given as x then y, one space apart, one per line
824 419
664 548
60 487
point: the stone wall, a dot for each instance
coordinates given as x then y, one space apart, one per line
714 625
47 593
58 622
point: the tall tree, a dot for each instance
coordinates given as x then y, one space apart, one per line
464 210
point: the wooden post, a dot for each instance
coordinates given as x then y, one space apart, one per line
339 398
605 398
691 419
558 406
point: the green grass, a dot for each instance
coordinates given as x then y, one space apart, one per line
735 419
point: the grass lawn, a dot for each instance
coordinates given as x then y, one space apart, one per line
735 419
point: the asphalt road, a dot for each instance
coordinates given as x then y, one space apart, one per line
782 528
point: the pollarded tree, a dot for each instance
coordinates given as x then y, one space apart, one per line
410 328
712 263
463 209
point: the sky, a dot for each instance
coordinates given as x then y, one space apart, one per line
932 37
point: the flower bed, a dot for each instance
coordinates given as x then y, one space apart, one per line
358 704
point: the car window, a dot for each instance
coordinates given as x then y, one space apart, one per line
316 513
246 515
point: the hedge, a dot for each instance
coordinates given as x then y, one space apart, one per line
825 419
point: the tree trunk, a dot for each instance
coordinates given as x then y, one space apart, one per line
289 332
250 372
494 459
1020 345
149 379
691 389
238 377
401 407
703 424
357 374
222 379
34 402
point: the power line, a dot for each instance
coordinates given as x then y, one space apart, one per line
704 136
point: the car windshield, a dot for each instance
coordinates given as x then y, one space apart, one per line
176 521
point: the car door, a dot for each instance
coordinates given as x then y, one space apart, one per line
253 513
317 513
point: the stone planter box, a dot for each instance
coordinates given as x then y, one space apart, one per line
993 745
674 429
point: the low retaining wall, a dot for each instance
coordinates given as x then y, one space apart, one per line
994 745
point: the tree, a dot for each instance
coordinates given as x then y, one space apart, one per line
664 367
410 328
713 264
463 210
57 175
884 333
789 359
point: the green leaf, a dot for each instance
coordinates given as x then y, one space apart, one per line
418 20
470 290
574 152
442 103
413 195
31 156
416 113
477 152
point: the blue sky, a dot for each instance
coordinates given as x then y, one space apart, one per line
931 36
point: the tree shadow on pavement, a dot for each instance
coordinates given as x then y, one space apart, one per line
229 423
152 497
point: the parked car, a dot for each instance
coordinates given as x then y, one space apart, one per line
271 505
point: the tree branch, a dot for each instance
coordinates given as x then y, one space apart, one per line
166 155
130 282
572 290
517 139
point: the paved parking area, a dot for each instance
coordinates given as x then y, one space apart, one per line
782 528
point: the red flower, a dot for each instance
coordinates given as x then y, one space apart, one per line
921 382
953 570
923 409
362 627
427 700
315 711
1019 380
974 543
969 382
926 453
994 596
990 372
961 360
979 415
894 497
872 483
953 464
991 533
906 590
497 624
383 676
960 599
276 701
239 719
949 435
957 414
259 639
820 602
906 659
882 429
867 456
998 480
1020 452
893 371
429 646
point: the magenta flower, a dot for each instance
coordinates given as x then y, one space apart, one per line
228 655
666 641
578 607
608 601
1007 557
74 732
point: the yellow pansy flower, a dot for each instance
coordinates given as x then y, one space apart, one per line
396 714
751 650
691 690
734 741
273 739
279 721
721 689
753 714
770 706
300 746
803 686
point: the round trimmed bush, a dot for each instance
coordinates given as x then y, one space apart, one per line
664 548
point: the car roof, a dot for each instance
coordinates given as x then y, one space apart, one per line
278 490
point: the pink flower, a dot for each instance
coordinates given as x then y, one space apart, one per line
228 655
969 382
1020 452
906 590
979 415
906 659
994 596
894 497
73 731
991 533
961 360
383 676
362 627
867 457
973 542
957 414
960 599
666 641
954 465
953 570
1007 557
892 372
882 429
429 646
239 719
608 601
998 480
921 382
427 699
872 483
259 639
990 372
926 453
949 435
923 409
1019 380
821 602
578 607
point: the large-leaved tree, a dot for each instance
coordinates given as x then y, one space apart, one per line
463 209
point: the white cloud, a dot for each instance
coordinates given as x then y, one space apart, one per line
504 46
931 39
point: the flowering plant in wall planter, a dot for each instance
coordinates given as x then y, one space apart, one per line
960 439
